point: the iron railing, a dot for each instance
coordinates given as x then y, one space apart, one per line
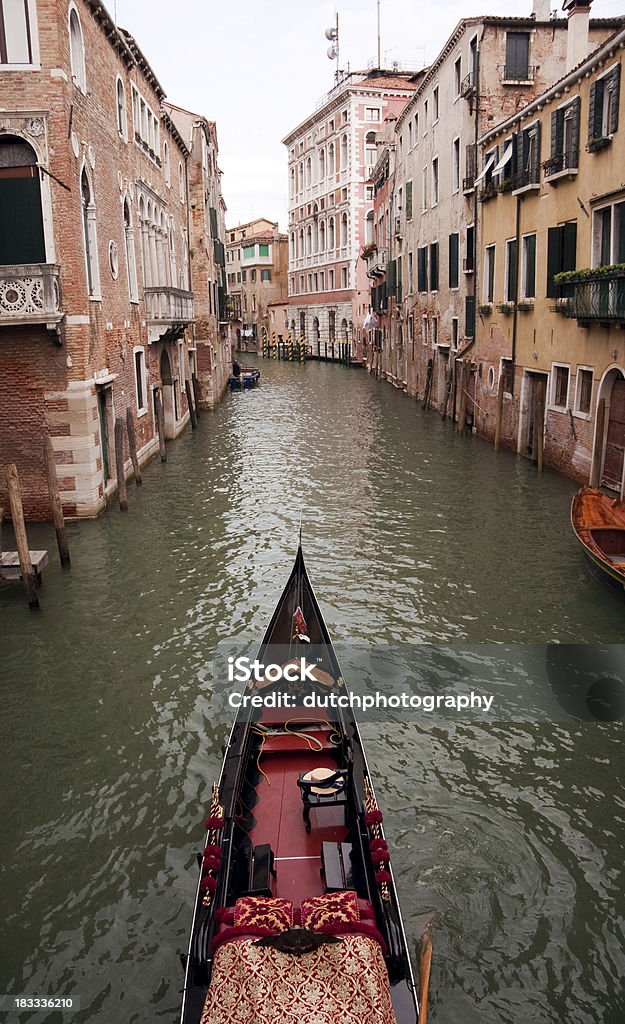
561 162
600 297
509 73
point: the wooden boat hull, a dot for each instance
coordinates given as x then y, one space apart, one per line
247 379
598 522
260 804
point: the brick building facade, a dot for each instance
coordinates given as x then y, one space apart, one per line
257 265
96 304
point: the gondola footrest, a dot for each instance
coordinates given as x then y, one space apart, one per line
336 866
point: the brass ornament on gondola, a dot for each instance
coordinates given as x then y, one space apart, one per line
372 811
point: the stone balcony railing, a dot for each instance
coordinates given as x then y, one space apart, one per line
30 294
168 311
599 298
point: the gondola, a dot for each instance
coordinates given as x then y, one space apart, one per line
599 525
296 913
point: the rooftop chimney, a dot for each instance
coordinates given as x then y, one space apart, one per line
577 41
541 10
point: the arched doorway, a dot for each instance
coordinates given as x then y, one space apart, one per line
169 399
21 219
612 390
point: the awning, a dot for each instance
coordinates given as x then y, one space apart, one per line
505 156
487 166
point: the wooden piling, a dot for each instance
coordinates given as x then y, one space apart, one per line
55 503
196 394
132 445
17 514
160 424
190 403
464 382
119 464
447 392
597 450
499 419
539 423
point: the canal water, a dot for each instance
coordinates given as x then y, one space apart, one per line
508 836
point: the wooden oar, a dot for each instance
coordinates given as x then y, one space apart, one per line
425 966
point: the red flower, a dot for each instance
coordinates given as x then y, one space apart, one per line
383 876
374 818
208 883
214 823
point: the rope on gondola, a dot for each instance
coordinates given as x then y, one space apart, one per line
378 847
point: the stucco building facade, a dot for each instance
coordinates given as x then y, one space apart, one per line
257 266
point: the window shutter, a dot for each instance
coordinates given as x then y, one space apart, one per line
434 267
390 277
554 259
399 280
594 110
535 151
569 245
422 267
471 160
557 132
519 145
469 318
408 200
615 81
575 128
513 272
454 248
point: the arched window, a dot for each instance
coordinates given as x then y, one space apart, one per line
131 263
369 228
292 240
344 230
122 123
344 151
315 328
166 164
77 50
292 182
331 233
308 240
21 219
302 324
300 251
308 172
371 153
322 164
344 329
90 236
172 251
332 325
331 168
322 236
181 182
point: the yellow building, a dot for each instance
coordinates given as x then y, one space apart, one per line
551 308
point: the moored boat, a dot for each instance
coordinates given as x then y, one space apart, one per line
599 524
248 377
296 914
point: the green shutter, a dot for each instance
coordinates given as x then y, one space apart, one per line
594 110
390 277
469 317
434 267
212 214
569 246
263 250
513 272
615 82
454 249
530 268
21 222
554 259
409 200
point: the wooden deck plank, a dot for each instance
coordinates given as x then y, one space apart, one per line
10 564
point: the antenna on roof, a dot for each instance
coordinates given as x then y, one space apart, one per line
379 49
332 34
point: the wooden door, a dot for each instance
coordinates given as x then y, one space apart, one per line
615 440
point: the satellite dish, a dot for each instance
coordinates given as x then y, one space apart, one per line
331 51
331 33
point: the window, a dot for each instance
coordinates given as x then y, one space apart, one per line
455 166
435 181
122 124
331 280
131 263
517 57
248 252
331 167
21 215
410 135
528 267
422 269
506 370
561 255
343 277
146 125
263 250
425 190
265 275
471 165
434 267
332 325
454 332
564 138
425 116
454 256
489 274
372 114
166 163
181 182
344 152
469 260
424 329
603 108
244 276
435 105
457 76
583 391
408 200
76 49
410 275
608 231
15 38
140 381
511 270
559 386
469 316
253 277
90 239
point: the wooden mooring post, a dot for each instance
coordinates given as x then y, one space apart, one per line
119 464
55 503
499 420
196 394
132 445
190 403
160 424
597 448
17 514
539 422
465 371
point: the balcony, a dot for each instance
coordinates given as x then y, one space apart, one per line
562 165
30 294
510 75
467 87
597 296
468 184
168 312
488 191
